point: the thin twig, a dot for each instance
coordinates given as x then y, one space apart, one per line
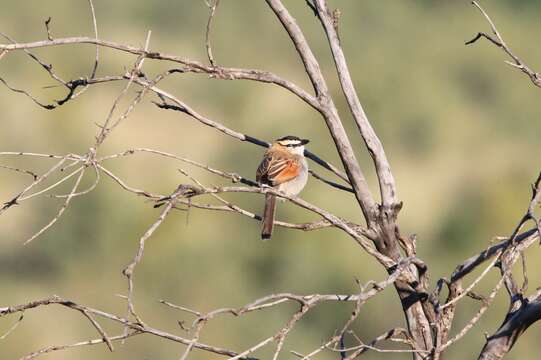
13 327
60 212
499 42
212 6
28 172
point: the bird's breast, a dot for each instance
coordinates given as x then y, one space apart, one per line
295 186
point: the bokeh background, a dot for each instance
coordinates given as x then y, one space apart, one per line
460 127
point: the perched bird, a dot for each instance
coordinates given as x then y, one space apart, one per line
284 168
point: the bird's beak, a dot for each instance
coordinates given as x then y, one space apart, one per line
304 141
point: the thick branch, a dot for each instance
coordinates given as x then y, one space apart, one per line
473 262
375 148
328 111
515 324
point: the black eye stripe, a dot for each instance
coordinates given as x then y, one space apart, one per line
289 137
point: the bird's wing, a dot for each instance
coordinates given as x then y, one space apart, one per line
277 168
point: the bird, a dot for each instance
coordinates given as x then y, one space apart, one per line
285 169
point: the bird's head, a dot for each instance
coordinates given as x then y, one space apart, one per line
293 143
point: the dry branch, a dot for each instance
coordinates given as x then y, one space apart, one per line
429 320
499 42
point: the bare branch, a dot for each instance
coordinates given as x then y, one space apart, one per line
135 326
129 270
331 183
14 200
475 319
95 24
13 327
429 320
375 148
183 107
514 325
328 110
21 91
105 129
100 330
53 348
213 4
472 285
48 28
28 172
357 234
310 226
191 65
61 211
499 42
472 263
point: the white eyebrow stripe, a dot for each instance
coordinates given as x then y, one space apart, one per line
289 142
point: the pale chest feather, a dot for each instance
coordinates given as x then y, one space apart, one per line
295 186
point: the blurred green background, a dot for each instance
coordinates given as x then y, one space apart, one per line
460 127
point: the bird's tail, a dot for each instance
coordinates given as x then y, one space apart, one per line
268 216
